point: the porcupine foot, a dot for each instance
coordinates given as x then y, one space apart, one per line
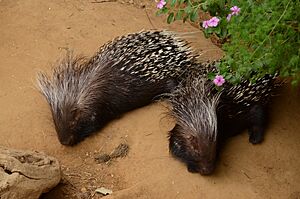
257 124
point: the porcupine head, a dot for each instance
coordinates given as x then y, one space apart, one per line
65 92
193 140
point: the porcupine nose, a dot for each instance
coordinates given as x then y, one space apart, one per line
206 171
68 141
203 170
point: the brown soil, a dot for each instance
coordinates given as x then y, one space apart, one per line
33 34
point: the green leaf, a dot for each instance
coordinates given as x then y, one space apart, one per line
211 75
204 6
194 15
180 2
179 15
173 2
217 30
295 82
170 18
223 32
228 76
188 9
164 10
213 9
209 30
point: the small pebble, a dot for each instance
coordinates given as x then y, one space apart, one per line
102 158
103 191
83 189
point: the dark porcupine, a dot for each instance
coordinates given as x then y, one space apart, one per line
205 117
126 73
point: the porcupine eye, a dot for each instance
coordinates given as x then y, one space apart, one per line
93 117
75 116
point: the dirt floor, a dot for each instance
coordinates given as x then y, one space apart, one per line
35 33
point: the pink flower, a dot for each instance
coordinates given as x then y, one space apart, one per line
205 24
161 4
213 22
219 80
229 17
235 10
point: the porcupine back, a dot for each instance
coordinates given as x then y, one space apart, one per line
126 73
237 103
234 99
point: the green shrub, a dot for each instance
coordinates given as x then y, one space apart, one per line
264 38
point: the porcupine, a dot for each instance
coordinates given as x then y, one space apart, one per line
126 73
205 117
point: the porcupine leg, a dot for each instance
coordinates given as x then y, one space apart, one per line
257 120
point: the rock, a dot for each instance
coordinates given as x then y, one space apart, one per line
26 174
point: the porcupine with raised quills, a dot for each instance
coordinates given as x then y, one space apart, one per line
126 73
205 117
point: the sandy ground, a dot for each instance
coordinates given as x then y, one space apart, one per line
35 33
